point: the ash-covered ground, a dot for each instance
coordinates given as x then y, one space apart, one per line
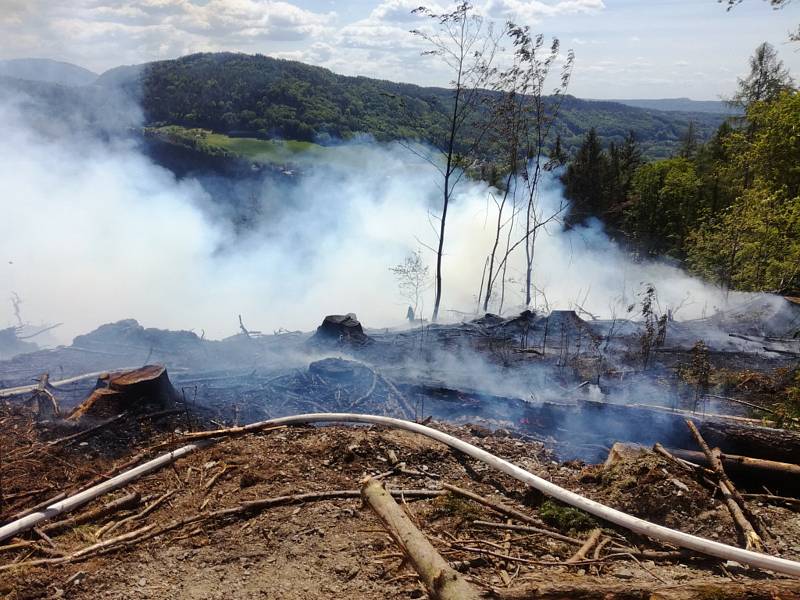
551 393
579 383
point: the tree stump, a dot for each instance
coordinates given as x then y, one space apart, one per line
340 329
141 390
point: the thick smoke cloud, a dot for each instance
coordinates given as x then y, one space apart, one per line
92 231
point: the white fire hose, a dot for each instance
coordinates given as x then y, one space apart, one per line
611 515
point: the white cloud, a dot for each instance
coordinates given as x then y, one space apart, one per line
372 37
269 19
533 11
141 30
400 11
104 33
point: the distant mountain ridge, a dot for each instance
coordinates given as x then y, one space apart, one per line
264 97
260 96
717 107
47 71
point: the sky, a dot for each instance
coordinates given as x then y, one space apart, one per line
624 48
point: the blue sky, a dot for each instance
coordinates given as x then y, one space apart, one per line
624 48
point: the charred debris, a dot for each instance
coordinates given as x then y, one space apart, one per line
678 423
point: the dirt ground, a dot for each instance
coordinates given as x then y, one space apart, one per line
337 548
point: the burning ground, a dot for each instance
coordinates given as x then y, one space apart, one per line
551 393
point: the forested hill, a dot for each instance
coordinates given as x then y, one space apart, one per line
259 96
718 107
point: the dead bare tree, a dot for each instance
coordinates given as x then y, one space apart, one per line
467 47
527 118
509 138
535 62
654 331
412 279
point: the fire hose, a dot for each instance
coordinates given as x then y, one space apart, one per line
606 513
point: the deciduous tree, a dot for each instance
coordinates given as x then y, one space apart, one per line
466 45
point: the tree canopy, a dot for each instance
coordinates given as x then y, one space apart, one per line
729 208
260 96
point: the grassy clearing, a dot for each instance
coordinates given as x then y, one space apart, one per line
267 150
257 150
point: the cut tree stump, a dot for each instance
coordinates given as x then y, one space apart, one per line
340 329
140 390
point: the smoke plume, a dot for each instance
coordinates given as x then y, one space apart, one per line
93 231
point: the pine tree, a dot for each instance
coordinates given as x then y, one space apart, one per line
766 80
557 157
584 180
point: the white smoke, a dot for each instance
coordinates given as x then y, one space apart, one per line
93 231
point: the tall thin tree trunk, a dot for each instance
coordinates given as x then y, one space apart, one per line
440 251
447 174
492 256
530 238
480 287
505 260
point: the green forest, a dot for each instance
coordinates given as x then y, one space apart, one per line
728 208
259 96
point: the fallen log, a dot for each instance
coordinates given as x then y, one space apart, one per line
439 578
741 464
751 538
734 501
601 589
606 423
759 442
